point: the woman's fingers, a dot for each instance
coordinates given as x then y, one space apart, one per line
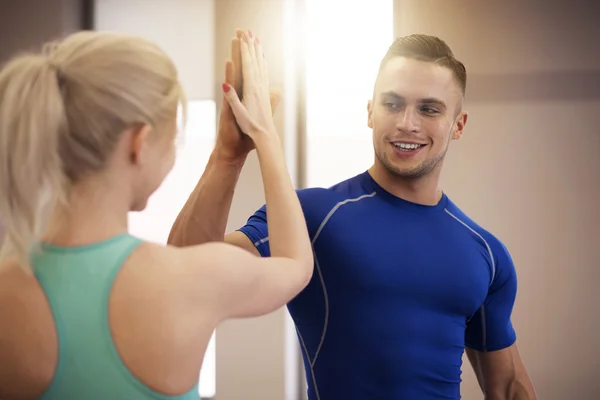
254 63
252 48
265 72
260 58
254 113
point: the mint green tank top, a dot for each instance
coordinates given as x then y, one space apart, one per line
77 282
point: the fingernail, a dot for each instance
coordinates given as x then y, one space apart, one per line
226 87
257 40
250 34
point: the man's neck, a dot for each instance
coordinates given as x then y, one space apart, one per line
425 190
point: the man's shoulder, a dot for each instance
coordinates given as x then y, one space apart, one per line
317 204
493 242
321 200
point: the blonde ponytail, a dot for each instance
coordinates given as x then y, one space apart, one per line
32 120
62 113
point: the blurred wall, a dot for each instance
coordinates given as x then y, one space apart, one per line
27 24
183 28
528 168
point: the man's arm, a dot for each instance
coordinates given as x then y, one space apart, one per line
204 215
490 337
501 374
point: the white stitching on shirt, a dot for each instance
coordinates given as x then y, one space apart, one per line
317 234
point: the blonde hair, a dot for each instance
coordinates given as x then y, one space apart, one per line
62 112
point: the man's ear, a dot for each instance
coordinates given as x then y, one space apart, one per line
139 143
459 125
370 114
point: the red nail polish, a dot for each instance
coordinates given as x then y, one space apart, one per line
226 87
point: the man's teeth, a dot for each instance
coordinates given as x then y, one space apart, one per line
407 146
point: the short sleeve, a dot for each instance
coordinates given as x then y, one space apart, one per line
315 202
256 230
491 328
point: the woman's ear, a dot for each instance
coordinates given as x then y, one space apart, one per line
139 137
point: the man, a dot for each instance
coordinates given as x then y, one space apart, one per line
404 281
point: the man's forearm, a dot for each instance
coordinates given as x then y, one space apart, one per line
204 216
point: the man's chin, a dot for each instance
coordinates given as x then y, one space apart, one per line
407 170
409 174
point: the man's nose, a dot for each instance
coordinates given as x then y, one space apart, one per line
409 121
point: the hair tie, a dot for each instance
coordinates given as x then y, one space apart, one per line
60 76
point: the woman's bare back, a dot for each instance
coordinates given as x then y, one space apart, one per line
159 332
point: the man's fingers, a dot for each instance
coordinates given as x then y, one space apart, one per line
226 107
230 73
236 58
236 105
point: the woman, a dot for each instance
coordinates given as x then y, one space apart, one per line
87 311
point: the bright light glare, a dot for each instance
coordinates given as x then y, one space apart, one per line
344 45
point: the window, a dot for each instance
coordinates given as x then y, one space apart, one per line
194 146
345 42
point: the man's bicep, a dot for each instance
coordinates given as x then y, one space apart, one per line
491 329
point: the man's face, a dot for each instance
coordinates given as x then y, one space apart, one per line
415 112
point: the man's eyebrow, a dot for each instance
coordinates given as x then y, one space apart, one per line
432 100
426 100
392 94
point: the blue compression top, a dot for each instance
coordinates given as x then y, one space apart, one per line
399 290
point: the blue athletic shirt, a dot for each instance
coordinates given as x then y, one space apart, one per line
399 290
